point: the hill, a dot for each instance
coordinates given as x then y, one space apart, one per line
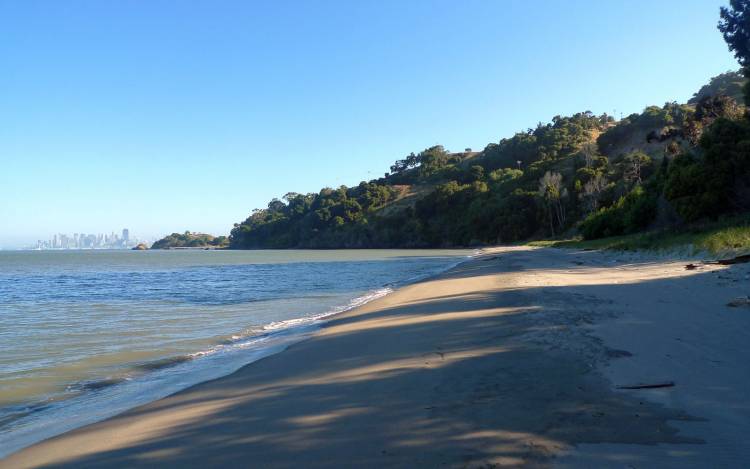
581 173
190 240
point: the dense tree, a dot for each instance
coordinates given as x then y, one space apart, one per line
735 27
630 213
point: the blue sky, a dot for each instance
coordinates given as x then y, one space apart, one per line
164 116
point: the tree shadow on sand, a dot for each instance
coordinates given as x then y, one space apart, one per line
477 379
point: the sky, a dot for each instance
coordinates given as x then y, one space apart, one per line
164 116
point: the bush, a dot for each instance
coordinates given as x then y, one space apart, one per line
631 213
689 189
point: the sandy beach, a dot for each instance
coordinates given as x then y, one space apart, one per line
519 357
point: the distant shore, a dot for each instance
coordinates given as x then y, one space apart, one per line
519 357
192 248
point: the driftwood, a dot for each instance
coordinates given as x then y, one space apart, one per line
735 260
667 384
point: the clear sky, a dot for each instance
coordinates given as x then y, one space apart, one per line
164 116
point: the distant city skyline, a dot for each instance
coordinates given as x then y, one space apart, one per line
169 119
88 241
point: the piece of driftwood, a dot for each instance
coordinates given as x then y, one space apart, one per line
735 260
691 267
667 384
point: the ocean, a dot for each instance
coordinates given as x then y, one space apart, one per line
86 335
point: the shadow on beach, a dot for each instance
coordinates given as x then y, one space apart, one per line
462 371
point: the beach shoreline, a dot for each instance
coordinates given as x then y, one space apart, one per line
148 381
510 358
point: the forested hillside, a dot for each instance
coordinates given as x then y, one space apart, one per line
670 164
190 240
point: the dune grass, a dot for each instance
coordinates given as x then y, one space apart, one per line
722 238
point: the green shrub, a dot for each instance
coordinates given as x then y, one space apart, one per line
631 213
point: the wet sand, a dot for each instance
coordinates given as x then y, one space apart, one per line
512 359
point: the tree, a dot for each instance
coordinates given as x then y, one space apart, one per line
670 151
634 165
476 172
289 196
592 191
727 84
432 160
552 191
735 27
707 111
275 205
589 151
410 161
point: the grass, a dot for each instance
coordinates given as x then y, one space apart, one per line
723 238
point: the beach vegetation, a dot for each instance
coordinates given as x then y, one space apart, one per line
726 237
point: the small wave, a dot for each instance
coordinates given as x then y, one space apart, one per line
255 336
354 303
162 363
9 414
98 384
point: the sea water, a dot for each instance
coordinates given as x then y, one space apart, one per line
88 334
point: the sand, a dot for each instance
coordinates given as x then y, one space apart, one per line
512 359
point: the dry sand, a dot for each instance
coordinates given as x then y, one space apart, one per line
511 359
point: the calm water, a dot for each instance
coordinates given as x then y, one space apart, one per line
87 334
